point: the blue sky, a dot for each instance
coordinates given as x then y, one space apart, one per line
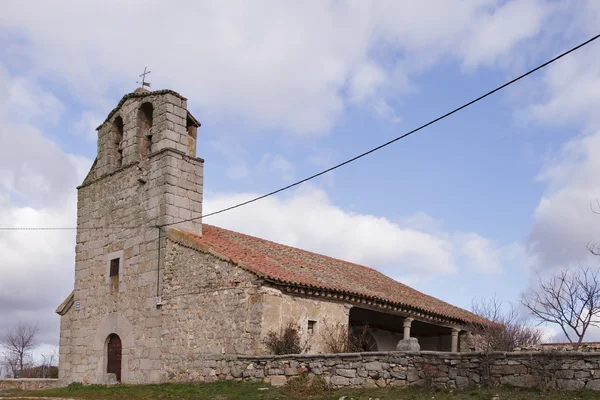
469 207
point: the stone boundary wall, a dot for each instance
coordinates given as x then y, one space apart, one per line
556 370
583 347
27 384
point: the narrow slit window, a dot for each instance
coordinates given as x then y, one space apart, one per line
114 267
312 325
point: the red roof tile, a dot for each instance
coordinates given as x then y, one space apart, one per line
290 265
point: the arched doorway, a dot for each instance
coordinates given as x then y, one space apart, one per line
114 355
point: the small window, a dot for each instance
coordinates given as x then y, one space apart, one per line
114 267
312 325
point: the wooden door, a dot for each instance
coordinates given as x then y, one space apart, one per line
114 356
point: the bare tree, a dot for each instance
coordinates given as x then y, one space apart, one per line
44 370
18 341
11 365
507 331
593 247
570 299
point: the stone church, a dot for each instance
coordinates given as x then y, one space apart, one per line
151 294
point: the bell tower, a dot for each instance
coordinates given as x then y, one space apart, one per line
146 175
153 134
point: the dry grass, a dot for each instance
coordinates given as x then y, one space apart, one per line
252 391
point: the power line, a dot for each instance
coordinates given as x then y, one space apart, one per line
70 228
433 121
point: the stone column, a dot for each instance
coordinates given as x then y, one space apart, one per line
406 325
454 347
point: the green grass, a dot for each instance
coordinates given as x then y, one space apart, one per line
243 390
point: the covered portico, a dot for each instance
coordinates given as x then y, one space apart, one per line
388 329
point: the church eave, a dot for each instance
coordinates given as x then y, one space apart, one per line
295 288
194 120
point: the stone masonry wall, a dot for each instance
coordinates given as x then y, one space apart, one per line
583 347
27 384
280 308
118 210
564 371
200 288
209 306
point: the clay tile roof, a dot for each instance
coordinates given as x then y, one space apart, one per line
296 267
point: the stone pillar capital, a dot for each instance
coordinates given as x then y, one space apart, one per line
408 322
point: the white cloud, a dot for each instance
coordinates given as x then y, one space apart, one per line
237 172
485 256
277 64
277 163
564 222
307 219
365 81
87 124
494 35
568 93
37 189
384 110
22 99
571 91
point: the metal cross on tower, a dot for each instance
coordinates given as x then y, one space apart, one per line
143 76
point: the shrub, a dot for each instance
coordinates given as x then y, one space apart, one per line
339 338
361 340
287 341
508 330
335 336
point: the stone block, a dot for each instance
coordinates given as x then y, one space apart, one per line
593 385
398 375
373 366
291 371
170 98
380 382
410 344
462 382
412 376
402 361
508 370
277 380
525 381
582 374
348 373
339 381
570 384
